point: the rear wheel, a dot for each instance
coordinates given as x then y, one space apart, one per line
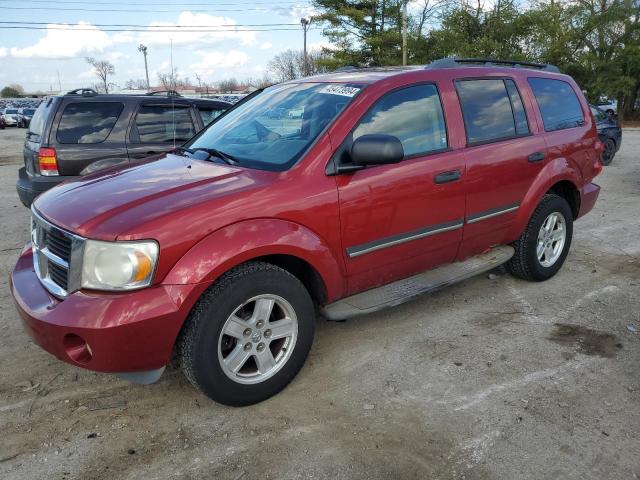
248 335
609 152
543 246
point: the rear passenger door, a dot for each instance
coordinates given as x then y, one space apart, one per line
88 136
503 157
158 128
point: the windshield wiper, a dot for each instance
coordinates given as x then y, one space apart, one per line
212 152
225 157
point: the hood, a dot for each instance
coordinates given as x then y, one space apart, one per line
115 202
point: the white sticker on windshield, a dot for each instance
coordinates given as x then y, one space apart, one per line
342 90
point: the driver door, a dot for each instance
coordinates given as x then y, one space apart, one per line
401 219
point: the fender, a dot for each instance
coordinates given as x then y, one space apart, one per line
243 241
555 171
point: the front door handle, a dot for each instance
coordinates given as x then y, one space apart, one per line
536 157
446 177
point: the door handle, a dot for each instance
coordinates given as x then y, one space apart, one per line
446 177
536 157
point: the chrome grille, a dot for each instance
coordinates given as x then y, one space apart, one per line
57 256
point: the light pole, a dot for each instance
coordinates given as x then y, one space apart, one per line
404 32
305 26
142 48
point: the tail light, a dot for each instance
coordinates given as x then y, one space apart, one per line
48 161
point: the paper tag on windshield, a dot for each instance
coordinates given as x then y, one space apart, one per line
342 90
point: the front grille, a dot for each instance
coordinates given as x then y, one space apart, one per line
55 254
58 274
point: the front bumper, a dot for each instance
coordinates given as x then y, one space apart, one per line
105 332
29 187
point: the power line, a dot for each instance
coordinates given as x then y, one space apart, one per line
116 10
169 30
152 26
207 4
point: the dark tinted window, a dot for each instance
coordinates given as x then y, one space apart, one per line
558 103
413 115
209 114
519 115
36 126
88 122
163 124
486 109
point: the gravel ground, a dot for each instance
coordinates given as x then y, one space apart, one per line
494 378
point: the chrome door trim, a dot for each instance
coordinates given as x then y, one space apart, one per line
494 212
357 250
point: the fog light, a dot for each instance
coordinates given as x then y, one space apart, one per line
77 349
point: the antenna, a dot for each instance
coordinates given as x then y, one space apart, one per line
173 87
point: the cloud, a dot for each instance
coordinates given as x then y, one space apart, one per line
82 38
3 52
225 29
211 62
266 46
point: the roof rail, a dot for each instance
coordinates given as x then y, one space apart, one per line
168 93
453 62
85 92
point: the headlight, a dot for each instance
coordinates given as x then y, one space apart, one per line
118 265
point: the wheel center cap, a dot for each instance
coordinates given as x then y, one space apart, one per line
256 337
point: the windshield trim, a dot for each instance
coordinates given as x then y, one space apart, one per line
304 152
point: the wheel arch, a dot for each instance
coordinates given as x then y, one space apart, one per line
286 244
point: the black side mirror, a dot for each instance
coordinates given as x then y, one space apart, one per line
376 149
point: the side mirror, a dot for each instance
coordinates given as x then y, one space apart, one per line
376 149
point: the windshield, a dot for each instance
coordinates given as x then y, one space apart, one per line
598 114
29 111
10 111
273 130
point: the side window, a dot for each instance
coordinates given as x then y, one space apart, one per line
519 114
558 103
413 115
161 124
88 122
492 110
598 114
209 114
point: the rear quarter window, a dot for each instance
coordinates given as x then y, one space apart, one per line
88 122
558 104
36 126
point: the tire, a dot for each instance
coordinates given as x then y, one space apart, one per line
206 351
526 263
609 152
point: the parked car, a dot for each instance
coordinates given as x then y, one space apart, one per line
10 116
396 182
3 123
609 132
24 116
609 106
82 132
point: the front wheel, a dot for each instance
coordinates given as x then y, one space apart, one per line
248 335
543 246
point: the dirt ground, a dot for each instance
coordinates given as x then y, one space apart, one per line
494 378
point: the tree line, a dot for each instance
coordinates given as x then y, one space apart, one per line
595 41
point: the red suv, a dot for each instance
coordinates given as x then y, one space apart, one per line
368 188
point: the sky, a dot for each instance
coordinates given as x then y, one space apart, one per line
41 59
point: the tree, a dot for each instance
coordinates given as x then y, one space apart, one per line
103 69
12 91
135 84
229 85
289 64
171 80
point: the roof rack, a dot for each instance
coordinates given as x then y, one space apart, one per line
168 93
85 92
453 62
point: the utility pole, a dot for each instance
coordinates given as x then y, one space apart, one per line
404 32
142 48
305 26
